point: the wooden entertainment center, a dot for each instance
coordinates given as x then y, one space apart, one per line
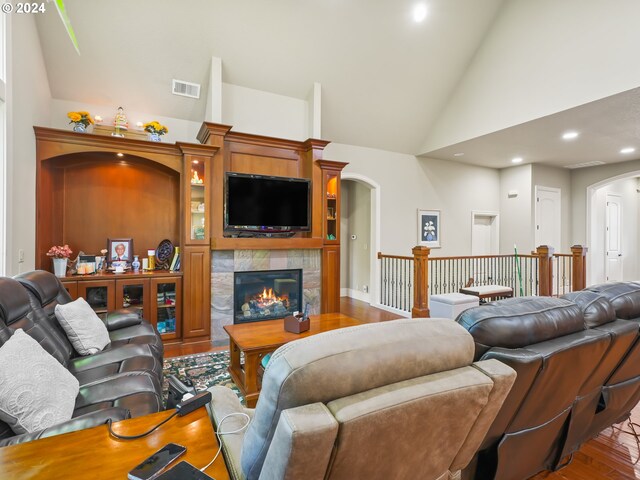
93 187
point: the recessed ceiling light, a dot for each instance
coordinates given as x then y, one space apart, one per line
627 150
570 135
459 154
120 154
516 160
195 161
420 12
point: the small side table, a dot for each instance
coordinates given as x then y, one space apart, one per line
492 292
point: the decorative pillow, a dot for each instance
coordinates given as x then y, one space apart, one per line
86 332
36 391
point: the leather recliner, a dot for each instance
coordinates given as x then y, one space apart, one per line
116 383
545 340
400 399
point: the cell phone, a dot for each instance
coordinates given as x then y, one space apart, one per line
153 465
184 471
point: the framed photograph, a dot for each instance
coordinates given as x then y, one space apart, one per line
119 250
429 228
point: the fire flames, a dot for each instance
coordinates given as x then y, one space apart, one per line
267 298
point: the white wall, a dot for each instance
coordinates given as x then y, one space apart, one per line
516 212
408 183
509 82
629 229
30 100
264 113
546 176
179 130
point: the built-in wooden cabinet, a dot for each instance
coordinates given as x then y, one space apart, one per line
331 234
93 187
156 295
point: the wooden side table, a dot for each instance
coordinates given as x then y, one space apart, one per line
256 339
93 453
489 291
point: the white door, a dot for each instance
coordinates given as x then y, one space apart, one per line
548 217
613 237
485 235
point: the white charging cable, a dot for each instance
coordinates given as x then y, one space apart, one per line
230 432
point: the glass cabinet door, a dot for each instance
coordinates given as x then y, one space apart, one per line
166 306
198 201
133 294
100 295
331 208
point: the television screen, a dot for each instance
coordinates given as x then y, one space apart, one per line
259 203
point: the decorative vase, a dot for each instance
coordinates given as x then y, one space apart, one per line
154 137
135 264
80 128
60 267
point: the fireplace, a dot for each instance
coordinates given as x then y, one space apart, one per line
266 295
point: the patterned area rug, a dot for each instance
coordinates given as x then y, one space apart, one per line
203 370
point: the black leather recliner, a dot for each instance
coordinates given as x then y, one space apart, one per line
119 382
546 341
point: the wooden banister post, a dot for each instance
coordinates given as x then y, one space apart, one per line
545 268
579 268
420 282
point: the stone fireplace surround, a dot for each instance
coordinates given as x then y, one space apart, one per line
225 262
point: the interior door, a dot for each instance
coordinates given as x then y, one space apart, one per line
613 236
484 241
548 217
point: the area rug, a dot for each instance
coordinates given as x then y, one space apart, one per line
203 370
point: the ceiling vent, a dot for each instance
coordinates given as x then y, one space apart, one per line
586 164
186 89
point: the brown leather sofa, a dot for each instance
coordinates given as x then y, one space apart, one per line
123 380
572 357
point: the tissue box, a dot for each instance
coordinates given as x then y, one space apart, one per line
296 324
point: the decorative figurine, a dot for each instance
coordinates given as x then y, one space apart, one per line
120 122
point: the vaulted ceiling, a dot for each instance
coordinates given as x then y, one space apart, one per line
385 78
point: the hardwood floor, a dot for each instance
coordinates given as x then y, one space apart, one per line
612 455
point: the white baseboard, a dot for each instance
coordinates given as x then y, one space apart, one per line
402 313
352 293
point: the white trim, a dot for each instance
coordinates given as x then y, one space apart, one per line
352 293
374 242
402 313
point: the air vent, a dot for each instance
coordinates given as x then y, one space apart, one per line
186 89
584 165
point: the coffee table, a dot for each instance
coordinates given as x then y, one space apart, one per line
256 339
93 453
489 291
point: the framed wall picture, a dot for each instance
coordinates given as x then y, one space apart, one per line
119 250
429 228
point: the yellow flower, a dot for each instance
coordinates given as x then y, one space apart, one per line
74 116
155 127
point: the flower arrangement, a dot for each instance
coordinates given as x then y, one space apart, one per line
80 117
155 127
59 251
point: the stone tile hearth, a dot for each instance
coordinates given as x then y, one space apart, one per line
225 262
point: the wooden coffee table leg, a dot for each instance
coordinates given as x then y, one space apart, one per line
251 362
235 367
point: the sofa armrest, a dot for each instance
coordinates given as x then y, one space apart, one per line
302 444
88 420
122 318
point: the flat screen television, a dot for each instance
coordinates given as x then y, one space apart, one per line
258 203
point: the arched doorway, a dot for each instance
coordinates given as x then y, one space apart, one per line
612 228
360 238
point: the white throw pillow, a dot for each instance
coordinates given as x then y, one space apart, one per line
36 391
87 333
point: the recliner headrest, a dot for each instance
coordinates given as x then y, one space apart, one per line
518 322
44 285
624 296
597 310
14 301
